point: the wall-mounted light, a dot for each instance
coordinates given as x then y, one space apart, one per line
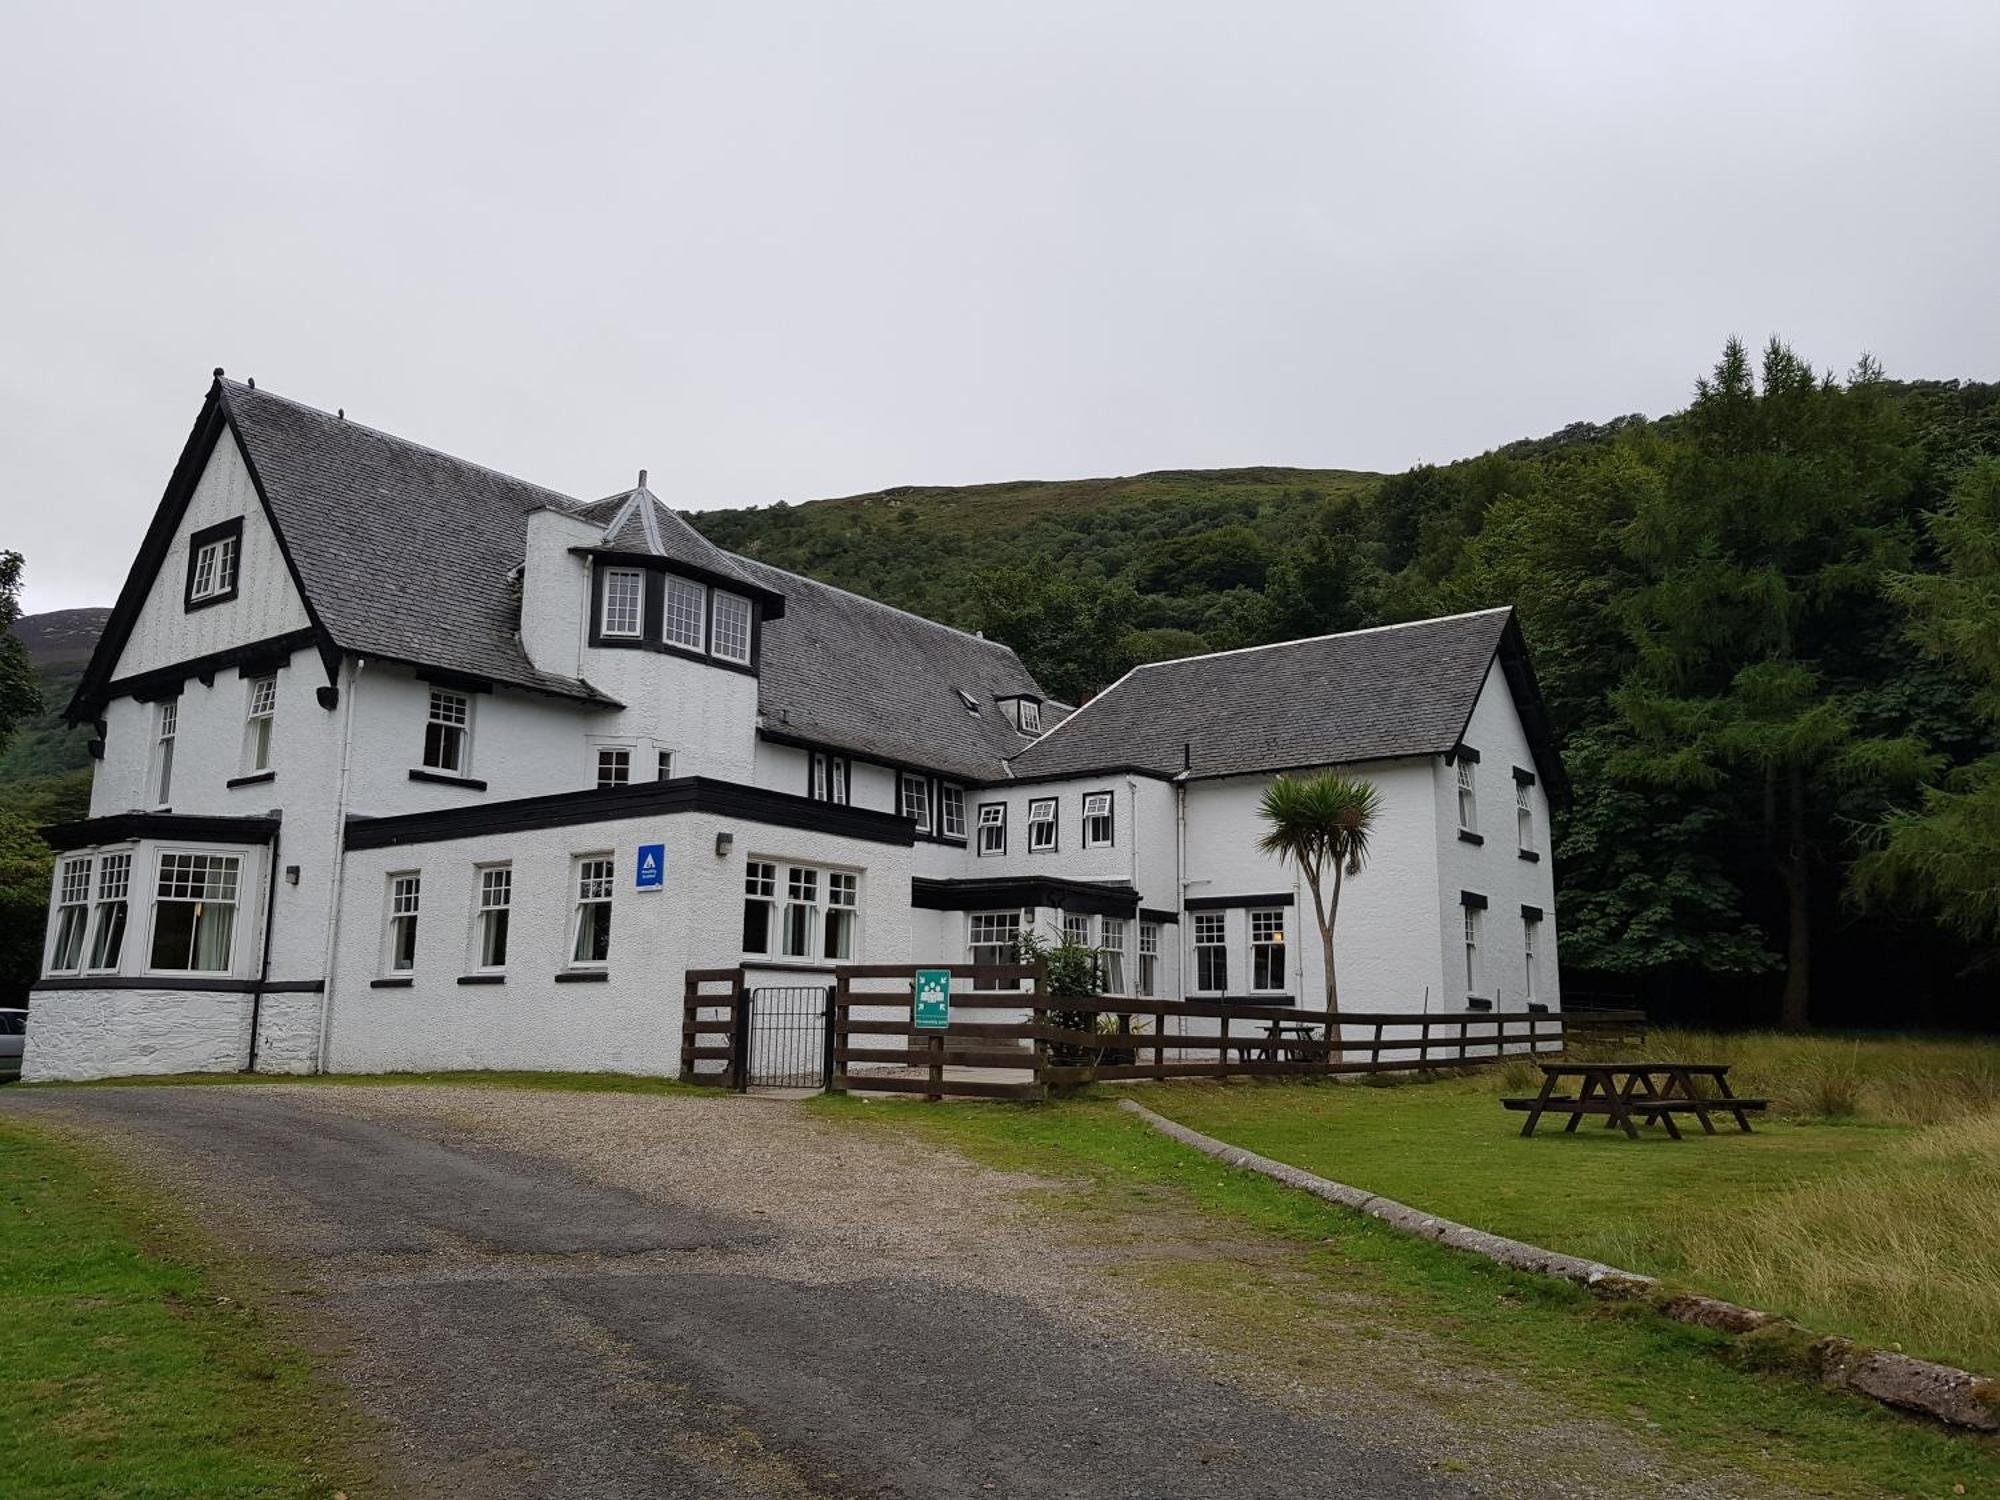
291 874
724 842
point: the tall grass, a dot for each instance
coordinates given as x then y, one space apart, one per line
1903 1080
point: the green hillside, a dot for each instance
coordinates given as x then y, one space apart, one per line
59 645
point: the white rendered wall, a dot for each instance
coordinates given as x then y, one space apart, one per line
1494 868
629 1022
265 605
1386 942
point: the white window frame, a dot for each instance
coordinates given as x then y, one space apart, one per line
492 908
803 895
233 863
113 898
1531 944
260 712
594 885
663 765
951 811
994 937
843 916
1149 960
624 597
913 797
1099 821
166 729
1043 830
450 713
684 619
760 889
1209 933
215 565
1468 795
69 931
1111 935
1267 946
403 900
731 624
1076 929
991 831
1524 816
614 766
828 778
1475 962
1030 716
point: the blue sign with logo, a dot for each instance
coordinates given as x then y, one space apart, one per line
651 872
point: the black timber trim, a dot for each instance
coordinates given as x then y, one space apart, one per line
208 536
1159 916
401 982
640 799
482 979
780 734
1511 651
255 778
1225 903
122 828
252 659
1256 999
583 976
1530 913
1467 836
1014 892
445 778
1473 899
1525 778
1464 752
1532 856
654 562
173 982
457 682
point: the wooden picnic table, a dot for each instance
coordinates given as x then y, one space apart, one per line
1276 1045
1623 1092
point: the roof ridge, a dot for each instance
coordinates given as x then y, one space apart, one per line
650 522
1068 719
1307 640
569 502
971 635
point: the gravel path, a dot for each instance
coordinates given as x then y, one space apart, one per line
566 1294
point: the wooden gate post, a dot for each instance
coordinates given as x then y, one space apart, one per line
739 1037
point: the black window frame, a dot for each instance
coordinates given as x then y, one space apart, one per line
1110 819
979 849
232 529
1054 845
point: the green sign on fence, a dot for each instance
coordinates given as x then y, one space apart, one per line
930 1004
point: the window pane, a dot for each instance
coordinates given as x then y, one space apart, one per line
686 606
732 627
624 601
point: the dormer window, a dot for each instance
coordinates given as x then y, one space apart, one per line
1031 716
624 603
213 555
732 627
687 609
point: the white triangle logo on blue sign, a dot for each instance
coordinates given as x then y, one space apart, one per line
648 866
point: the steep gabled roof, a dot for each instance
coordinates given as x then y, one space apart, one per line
1336 699
846 671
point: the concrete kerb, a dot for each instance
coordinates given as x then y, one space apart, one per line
1955 1397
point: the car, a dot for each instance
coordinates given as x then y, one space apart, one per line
13 1037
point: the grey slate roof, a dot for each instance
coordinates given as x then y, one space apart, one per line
1367 695
636 521
404 552
846 671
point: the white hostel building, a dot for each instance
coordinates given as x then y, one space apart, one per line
403 763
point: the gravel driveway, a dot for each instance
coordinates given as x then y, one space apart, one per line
583 1295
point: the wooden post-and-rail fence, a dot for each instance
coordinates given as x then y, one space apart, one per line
1009 1039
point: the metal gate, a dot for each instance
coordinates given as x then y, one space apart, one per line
790 1042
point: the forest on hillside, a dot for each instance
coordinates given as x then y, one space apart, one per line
1768 629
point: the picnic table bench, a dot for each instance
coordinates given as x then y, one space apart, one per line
1276 1045
1652 1093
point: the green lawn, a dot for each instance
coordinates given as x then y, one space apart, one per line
123 1370
1886 1232
1349 1287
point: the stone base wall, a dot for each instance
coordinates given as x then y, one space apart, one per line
79 1034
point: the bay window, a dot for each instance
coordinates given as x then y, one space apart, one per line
107 927
194 912
1149 959
624 610
818 916
993 937
72 915
687 610
1111 955
731 640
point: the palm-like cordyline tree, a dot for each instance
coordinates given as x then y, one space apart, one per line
1321 822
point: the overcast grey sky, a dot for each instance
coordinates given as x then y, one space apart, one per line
785 251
